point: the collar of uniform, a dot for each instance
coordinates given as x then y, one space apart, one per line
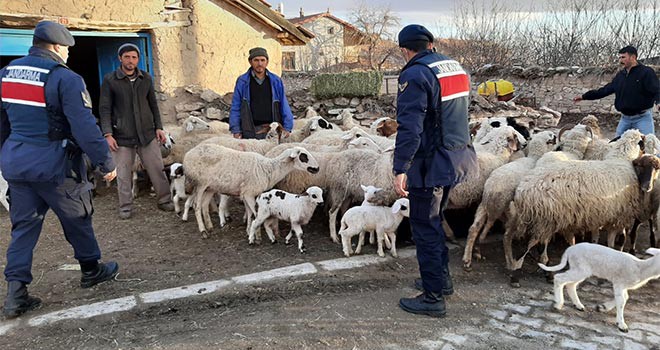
39 52
416 58
121 75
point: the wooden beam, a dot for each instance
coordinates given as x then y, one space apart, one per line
30 20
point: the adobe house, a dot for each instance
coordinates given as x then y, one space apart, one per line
335 41
202 42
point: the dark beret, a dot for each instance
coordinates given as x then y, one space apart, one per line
256 52
54 33
128 47
414 32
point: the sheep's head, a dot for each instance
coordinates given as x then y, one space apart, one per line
387 128
317 123
176 170
402 206
370 191
353 133
523 130
303 160
195 123
316 194
363 142
504 137
592 122
166 147
647 168
542 142
275 132
651 144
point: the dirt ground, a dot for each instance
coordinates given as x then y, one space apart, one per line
354 309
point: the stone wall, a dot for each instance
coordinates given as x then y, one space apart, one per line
555 87
143 11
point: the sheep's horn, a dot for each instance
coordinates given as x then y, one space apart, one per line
590 130
564 128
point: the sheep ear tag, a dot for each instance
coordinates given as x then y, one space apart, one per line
403 86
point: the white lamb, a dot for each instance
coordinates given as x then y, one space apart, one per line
383 220
178 186
277 205
625 271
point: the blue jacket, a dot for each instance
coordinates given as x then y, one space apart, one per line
44 102
433 146
240 117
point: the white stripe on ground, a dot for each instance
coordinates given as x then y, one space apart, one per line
183 292
86 311
128 303
289 271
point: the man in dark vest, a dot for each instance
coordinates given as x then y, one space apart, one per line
46 124
433 153
258 100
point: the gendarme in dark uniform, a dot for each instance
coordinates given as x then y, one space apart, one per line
433 153
46 124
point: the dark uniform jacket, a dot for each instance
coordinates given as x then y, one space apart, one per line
44 103
433 145
129 111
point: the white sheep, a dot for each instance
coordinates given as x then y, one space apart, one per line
499 189
575 196
383 220
311 126
250 145
277 205
187 136
625 271
335 138
345 120
221 170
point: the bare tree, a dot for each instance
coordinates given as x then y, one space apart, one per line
378 26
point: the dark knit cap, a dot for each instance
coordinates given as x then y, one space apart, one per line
53 33
414 32
256 52
128 47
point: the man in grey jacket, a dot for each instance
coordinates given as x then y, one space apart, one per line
130 121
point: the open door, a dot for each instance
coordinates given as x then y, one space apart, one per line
106 50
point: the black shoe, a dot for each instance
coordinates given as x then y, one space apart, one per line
429 304
18 300
448 288
101 273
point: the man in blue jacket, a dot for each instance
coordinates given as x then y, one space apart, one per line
258 100
433 153
636 88
46 124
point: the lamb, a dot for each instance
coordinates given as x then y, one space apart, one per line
277 205
558 199
384 126
251 174
500 188
178 185
383 220
625 271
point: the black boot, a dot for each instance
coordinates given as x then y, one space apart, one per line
18 300
448 288
95 273
427 303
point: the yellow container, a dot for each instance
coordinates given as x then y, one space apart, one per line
499 87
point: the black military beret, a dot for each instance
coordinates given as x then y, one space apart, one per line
54 33
414 32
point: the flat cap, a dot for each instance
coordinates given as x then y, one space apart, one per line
54 33
256 52
414 32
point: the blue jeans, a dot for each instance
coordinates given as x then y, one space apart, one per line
426 205
642 122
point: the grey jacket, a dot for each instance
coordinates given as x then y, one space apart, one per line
129 111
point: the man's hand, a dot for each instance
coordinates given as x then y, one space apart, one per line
112 143
161 136
577 98
400 185
110 176
238 136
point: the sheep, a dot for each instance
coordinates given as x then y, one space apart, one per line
625 271
384 126
383 220
178 185
277 205
250 145
496 122
647 169
250 175
345 120
503 141
4 186
334 138
575 196
312 125
499 189
193 131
